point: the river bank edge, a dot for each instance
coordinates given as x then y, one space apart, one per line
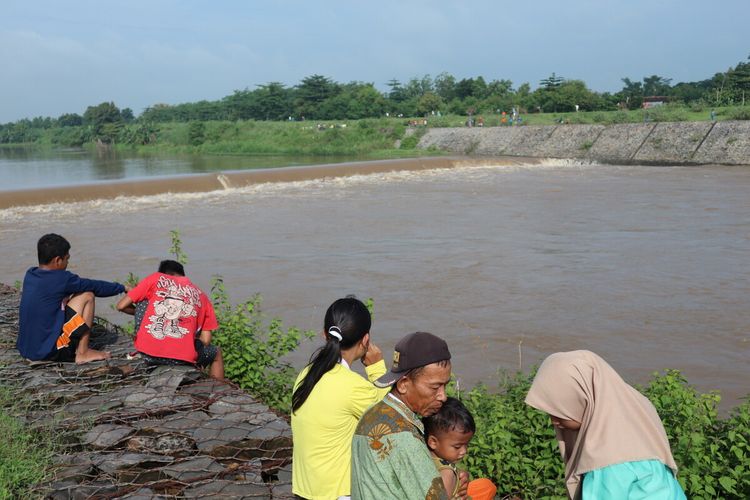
216 181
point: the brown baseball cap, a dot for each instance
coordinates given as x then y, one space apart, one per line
415 350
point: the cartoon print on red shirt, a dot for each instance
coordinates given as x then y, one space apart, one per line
177 302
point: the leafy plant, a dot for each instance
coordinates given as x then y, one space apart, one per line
514 445
739 113
176 248
253 348
713 454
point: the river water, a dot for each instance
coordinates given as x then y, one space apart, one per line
648 266
28 168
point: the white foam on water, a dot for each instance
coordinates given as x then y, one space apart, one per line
307 188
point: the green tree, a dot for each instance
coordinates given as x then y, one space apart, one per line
499 88
105 121
417 87
273 101
465 88
127 115
70 120
311 92
196 133
656 85
631 93
551 82
428 103
396 92
445 86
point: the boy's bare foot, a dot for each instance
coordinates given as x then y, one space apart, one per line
91 355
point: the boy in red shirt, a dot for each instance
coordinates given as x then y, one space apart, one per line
175 312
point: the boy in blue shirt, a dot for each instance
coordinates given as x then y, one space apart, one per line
57 307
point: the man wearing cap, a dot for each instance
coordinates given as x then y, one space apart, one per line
390 459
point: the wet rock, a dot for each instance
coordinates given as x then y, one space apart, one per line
227 489
73 468
111 463
193 468
239 408
106 435
150 398
168 378
67 490
206 389
95 404
142 494
177 422
216 432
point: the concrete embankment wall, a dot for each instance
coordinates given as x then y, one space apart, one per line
684 143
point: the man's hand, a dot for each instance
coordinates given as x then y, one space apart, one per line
373 355
463 484
127 288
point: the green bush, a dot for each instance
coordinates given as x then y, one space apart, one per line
713 454
252 348
196 133
515 445
740 113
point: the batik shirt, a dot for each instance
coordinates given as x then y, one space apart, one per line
390 459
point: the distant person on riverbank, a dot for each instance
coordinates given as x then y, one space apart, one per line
390 458
447 434
611 438
57 307
328 400
174 320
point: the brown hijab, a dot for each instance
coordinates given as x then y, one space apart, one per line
618 424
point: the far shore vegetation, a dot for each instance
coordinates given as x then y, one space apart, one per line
319 116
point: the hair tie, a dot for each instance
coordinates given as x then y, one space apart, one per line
335 332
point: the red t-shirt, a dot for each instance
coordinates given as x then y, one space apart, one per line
177 309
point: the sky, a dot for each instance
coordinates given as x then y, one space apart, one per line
61 56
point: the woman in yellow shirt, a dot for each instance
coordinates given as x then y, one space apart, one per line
328 400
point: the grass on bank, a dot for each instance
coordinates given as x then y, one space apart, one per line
370 138
665 113
25 454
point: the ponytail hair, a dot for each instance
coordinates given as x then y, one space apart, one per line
347 321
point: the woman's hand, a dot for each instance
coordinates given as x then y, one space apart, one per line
373 354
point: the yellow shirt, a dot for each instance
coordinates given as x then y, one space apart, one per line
323 427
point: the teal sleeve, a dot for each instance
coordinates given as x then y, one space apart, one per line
641 480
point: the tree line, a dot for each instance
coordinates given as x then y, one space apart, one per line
317 97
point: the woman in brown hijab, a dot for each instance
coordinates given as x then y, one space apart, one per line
610 436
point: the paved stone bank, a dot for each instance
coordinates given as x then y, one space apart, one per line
684 143
139 432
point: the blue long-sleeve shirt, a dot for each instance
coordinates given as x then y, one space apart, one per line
41 313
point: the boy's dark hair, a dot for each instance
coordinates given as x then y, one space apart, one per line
50 246
453 415
171 267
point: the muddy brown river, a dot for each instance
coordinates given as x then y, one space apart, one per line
648 266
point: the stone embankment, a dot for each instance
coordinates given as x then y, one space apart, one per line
684 143
133 431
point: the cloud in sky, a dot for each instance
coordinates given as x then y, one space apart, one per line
61 57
